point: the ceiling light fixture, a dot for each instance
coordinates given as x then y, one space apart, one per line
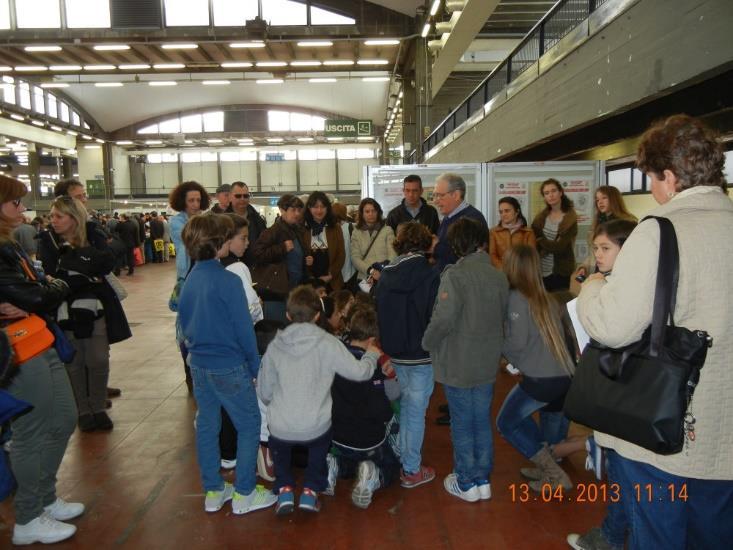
236 65
372 62
153 142
252 44
315 44
86 137
162 83
108 84
335 139
169 66
214 140
270 81
271 63
99 67
381 42
111 47
61 68
434 7
335 62
37 123
179 46
42 48
375 79
124 142
31 68
5 69
215 82
134 67
91 147
305 139
57 128
425 30
305 63
71 133
54 85
321 80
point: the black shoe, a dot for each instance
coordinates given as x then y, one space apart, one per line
443 420
103 422
117 272
114 392
443 408
108 404
87 423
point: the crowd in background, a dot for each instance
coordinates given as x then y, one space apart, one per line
317 341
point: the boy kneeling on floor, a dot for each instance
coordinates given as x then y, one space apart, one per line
362 422
295 383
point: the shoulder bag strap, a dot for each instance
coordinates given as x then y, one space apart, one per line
371 243
665 293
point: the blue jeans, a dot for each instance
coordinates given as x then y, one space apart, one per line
702 521
416 387
615 523
470 430
516 425
233 390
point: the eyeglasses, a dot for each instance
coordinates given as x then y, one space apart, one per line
441 195
241 195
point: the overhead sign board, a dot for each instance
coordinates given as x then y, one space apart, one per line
348 128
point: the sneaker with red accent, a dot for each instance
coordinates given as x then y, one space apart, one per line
425 474
309 501
285 501
265 465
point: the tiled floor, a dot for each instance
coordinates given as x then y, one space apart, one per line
141 486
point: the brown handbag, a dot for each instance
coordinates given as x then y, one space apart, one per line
271 280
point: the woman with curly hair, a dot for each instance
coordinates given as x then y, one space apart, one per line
324 241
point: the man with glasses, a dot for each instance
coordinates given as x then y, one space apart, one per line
413 207
240 196
449 195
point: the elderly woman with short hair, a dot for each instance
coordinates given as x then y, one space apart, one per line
684 161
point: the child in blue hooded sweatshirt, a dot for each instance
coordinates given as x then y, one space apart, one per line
218 331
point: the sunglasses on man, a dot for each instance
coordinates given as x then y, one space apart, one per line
241 195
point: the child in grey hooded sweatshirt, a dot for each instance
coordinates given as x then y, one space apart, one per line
295 381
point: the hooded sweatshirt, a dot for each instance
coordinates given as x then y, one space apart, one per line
295 380
405 298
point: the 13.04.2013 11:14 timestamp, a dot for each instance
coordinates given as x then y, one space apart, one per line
597 492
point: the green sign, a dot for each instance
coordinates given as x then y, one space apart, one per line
348 128
95 189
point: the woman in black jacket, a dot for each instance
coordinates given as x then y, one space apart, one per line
76 251
41 435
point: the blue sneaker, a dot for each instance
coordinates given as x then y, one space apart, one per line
285 501
595 459
309 501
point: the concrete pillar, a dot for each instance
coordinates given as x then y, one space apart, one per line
34 173
423 98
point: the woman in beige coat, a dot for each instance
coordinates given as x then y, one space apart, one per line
684 162
371 241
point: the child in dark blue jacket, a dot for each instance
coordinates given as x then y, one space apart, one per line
218 331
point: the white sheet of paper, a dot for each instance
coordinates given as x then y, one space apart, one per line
580 333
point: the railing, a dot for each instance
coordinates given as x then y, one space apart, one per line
562 18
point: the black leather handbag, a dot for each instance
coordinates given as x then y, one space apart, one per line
642 393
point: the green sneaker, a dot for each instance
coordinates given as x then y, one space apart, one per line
259 498
215 500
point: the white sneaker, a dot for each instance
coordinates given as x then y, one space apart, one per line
61 510
215 500
228 464
484 491
259 498
367 481
43 529
451 485
333 474
511 369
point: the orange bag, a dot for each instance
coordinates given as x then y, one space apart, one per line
28 337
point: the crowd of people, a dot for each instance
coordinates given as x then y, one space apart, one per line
317 341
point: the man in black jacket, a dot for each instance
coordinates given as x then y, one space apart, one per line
413 207
157 229
129 235
240 197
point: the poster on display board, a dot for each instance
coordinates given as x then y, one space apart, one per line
514 189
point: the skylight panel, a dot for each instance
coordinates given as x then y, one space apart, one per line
300 122
52 108
152 129
38 14
284 12
191 124
324 17
172 126
4 14
87 14
24 93
187 13
39 104
234 14
64 111
278 121
213 122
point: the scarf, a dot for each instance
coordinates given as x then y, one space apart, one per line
317 228
512 227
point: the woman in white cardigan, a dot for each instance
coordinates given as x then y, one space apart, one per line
684 162
371 242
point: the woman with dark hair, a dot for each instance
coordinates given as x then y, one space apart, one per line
76 251
40 436
465 338
684 161
405 297
324 241
555 229
188 199
283 244
511 231
371 241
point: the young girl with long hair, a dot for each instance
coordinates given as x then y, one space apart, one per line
534 342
